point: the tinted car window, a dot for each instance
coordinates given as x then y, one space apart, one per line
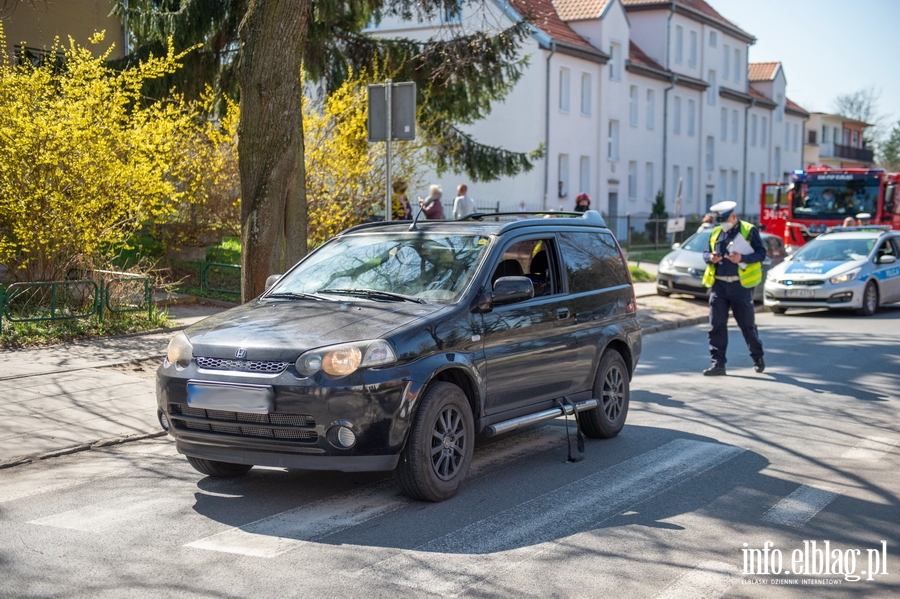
533 259
592 261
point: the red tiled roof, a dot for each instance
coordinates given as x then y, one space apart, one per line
762 71
791 105
578 10
543 15
699 5
761 98
637 56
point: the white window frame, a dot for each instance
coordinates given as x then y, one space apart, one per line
615 56
612 149
738 63
633 106
692 56
751 192
679 44
723 184
710 153
632 180
713 90
648 181
753 124
565 92
723 124
726 62
713 40
689 183
586 94
676 115
691 117
735 126
676 174
734 186
563 173
584 174
764 132
651 109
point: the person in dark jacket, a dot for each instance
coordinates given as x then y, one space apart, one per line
582 202
733 268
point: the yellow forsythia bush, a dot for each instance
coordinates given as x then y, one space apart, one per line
85 159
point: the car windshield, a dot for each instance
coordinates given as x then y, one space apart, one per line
834 250
835 200
387 267
697 242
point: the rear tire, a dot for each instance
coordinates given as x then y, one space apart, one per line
611 389
779 310
440 446
219 469
870 300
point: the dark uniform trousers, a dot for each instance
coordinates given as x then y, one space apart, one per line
740 300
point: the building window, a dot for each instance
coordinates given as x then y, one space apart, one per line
615 56
738 65
752 129
453 14
584 174
689 184
676 175
563 175
632 180
854 142
723 185
811 137
613 147
651 109
633 106
564 89
735 124
693 52
723 125
586 94
713 41
824 134
734 185
787 137
779 110
796 137
690 117
710 153
648 179
726 61
676 115
751 192
713 90
679 44
763 132
834 138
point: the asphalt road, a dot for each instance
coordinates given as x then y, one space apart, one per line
706 470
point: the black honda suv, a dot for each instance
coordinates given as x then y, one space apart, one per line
391 346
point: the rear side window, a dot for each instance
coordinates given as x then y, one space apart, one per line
592 261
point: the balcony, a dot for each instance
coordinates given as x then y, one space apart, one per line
832 150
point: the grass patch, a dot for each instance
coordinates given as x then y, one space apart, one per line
227 252
650 255
51 332
639 275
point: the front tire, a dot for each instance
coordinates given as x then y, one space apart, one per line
611 389
440 446
663 293
219 469
778 310
870 300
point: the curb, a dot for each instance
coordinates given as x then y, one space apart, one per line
98 444
687 322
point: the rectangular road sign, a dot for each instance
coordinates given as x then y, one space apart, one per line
403 111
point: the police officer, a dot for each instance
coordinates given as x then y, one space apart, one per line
732 276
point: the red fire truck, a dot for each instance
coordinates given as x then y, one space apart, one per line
820 197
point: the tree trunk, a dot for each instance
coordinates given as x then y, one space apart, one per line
270 141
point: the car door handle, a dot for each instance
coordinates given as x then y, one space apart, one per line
562 313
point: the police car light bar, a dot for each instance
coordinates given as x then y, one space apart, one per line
867 228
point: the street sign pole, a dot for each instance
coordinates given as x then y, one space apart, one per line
388 199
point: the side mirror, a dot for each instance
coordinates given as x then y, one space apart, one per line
271 281
886 259
675 246
507 290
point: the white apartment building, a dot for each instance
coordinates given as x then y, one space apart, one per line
629 97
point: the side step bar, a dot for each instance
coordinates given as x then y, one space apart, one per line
508 426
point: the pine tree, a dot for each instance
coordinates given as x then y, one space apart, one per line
890 150
257 49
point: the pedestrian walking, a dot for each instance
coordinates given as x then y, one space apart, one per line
463 205
400 208
431 205
733 269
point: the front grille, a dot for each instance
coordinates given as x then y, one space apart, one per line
295 427
242 365
810 283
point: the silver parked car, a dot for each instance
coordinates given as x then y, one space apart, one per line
681 271
852 267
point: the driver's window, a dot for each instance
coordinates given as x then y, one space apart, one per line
532 259
886 249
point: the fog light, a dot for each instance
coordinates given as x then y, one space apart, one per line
163 420
838 298
341 437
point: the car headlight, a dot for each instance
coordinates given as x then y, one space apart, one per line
667 264
180 351
346 358
847 276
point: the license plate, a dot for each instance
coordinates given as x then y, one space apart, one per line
256 399
800 293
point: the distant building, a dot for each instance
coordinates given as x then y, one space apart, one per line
629 97
837 141
30 28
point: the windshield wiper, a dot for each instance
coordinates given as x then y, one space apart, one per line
295 295
374 294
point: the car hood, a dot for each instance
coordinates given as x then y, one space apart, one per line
282 330
805 271
685 260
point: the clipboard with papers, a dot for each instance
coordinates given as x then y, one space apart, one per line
740 245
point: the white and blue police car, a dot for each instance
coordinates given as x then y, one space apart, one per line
845 268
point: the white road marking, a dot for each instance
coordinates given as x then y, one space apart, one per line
118 515
870 449
272 536
520 531
708 580
799 507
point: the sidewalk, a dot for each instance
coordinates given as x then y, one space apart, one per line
71 397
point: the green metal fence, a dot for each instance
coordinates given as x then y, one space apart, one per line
83 294
221 277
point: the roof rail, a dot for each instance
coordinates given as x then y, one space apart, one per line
869 228
590 216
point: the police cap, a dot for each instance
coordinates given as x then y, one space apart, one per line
723 210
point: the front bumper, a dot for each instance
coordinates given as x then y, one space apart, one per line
825 295
681 283
300 430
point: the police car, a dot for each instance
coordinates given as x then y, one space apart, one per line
847 267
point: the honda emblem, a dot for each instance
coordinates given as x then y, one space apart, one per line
240 353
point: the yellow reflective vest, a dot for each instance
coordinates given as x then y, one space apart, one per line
751 275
